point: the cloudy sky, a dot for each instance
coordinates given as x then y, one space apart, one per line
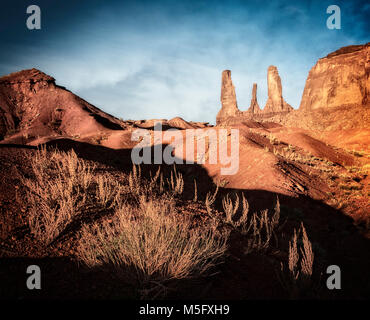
161 59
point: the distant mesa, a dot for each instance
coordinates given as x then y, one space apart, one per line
174 123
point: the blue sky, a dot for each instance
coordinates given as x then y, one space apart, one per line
161 59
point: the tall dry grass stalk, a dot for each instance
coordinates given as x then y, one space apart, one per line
259 228
231 209
210 199
296 277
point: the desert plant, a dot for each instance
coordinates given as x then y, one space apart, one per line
210 199
157 185
154 240
195 191
134 181
231 208
296 277
260 232
57 191
108 191
260 229
176 182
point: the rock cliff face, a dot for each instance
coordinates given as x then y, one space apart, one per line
275 102
15 93
341 79
31 103
254 106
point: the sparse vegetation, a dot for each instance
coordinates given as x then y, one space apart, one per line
296 275
154 240
258 228
145 233
139 231
57 192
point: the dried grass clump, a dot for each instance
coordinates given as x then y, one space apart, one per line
296 277
108 191
57 192
259 228
176 182
63 186
157 185
152 239
231 208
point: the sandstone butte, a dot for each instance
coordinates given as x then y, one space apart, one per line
275 104
336 95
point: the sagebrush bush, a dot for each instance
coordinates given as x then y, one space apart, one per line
153 239
56 192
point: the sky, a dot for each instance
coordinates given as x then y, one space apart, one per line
162 59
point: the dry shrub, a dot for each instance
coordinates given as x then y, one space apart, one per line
152 239
296 277
108 191
156 185
231 208
259 228
57 192
62 186
260 231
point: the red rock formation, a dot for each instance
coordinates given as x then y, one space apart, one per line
275 102
31 102
275 106
254 107
339 79
229 107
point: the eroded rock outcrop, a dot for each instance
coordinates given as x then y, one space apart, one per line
275 106
32 105
229 106
341 79
254 107
275 102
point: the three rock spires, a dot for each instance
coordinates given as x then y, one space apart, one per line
275 102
